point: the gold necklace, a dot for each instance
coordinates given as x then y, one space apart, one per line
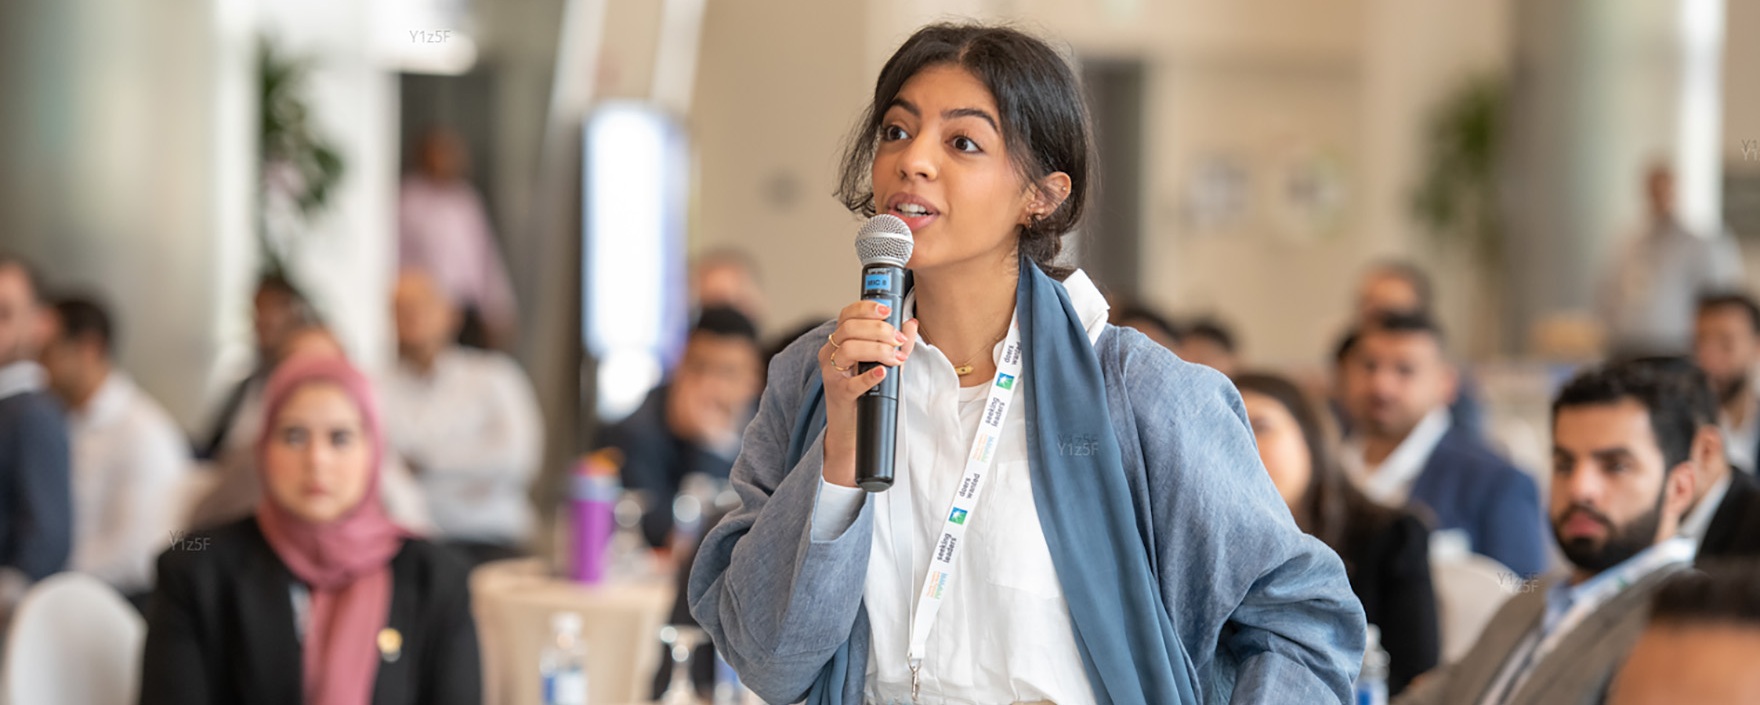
965 368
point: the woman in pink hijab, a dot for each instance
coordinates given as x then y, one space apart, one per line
317 599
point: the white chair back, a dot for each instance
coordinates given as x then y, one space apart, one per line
73 641
1469 590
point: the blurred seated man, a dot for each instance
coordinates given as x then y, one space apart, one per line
1402 287
1392 286
1725 514
278 310
36 513
1624 443
1148 322
467 423
1403 449
728 278
1726 345
1702 642
130 460
1207 342
692 423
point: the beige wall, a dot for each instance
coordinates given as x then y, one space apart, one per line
779 84
1263 81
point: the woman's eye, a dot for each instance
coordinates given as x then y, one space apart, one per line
965 144
341 439
294 436
893 133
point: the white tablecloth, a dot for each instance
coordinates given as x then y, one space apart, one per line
620 623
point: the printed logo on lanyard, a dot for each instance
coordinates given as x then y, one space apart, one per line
965 500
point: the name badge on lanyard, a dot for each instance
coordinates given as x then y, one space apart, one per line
964 507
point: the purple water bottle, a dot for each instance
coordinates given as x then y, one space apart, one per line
592 497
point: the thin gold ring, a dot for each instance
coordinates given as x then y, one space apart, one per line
832 338
834 361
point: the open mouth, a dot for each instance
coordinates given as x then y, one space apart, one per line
914 211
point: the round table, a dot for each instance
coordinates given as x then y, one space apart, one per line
620 622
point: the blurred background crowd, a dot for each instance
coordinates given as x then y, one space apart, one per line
550 227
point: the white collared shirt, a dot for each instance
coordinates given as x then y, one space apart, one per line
1740 442
1390 483
1003 633
473 432
20 377
1694 524
130 463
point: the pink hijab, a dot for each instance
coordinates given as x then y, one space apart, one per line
345 562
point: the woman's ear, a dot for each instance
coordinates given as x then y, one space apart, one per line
1052 192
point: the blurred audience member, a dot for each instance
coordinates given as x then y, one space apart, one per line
1148 322
1386 551
692 423
1624 440
1726 345
237 487
728 278
443 229
318 597
1401 287
1393 286
1207 342
278 309
130 460
467 423
1404 450
36 512
1725 514
1702 642
1647 298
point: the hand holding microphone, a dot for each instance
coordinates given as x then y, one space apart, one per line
859 362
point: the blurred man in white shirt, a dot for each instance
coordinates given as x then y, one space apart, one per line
1726 345
130 460
467 423
1647 299
444 229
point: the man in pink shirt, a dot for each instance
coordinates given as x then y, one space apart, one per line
443 229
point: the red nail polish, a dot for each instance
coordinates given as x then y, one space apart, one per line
885 310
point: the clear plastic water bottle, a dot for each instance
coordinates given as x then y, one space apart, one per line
1372 680
563 662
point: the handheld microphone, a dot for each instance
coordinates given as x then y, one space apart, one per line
884 246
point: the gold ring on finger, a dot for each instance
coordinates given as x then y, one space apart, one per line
832 338
834 362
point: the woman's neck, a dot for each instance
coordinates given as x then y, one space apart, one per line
965 313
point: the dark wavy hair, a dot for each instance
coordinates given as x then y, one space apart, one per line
1044 120
1332 509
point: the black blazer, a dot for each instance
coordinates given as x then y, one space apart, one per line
1734 531
220 626
1389 569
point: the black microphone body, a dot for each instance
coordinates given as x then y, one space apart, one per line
877 408
884 247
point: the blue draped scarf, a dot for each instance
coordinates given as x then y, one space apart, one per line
1122 629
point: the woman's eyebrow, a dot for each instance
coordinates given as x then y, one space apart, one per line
971 112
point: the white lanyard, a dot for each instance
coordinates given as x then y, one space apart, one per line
1672 551
945 554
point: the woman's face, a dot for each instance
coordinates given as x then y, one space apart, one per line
942 167
1281 446
318 461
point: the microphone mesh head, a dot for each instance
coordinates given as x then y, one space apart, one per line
884 239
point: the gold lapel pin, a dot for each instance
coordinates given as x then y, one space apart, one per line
390 644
